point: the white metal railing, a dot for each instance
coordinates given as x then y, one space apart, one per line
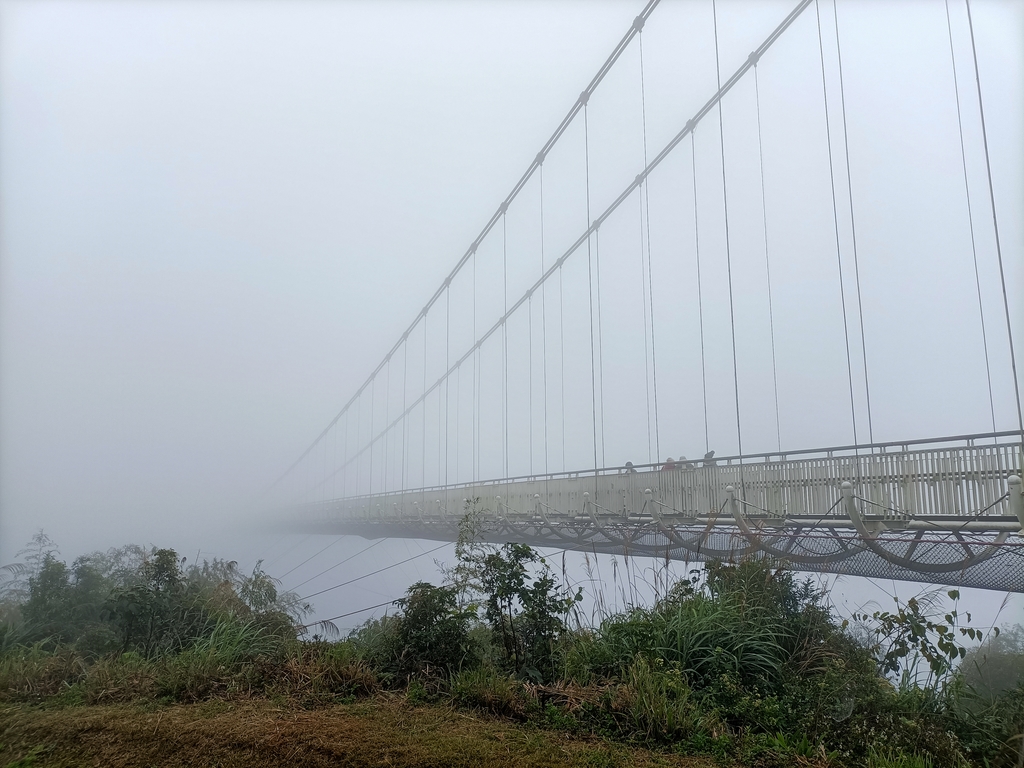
964 478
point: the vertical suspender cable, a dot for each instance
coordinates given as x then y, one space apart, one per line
651 456
387 420
639 23
590 278
767 262
458 409
344 454
853 225
447 365
359 453
441 436
700 299
995 224
600 337
476 387
405 419
504 339
530 374
492 222
561 360
544 321
323 482
423 454
970 220
835 219
373 388
728 251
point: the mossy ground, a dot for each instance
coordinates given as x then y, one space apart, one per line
381 731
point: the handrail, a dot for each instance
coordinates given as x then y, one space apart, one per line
782 456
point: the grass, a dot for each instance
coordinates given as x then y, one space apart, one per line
383 731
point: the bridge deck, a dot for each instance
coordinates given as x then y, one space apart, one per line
950 512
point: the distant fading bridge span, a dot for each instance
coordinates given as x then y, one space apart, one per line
946 510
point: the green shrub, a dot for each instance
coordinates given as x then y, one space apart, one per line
659 705
33 672
486 688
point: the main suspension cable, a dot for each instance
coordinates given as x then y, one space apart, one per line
835 219
767 261
574 111
995 224
578 244
970 220
853 225
728 250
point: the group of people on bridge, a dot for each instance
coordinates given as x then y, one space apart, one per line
672 464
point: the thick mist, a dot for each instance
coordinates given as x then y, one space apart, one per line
216 218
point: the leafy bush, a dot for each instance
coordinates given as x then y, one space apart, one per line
488 689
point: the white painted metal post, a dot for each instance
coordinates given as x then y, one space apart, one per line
1016 498
734 508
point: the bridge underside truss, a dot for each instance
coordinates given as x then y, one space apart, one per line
932 558
950 516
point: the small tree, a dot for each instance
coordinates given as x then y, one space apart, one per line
907 636
527 612
433 630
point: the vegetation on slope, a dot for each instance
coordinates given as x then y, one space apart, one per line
739 663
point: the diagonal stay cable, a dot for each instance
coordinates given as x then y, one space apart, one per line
970 220
379 570
319 552
350 613
495 217
327 570
597 222
995 223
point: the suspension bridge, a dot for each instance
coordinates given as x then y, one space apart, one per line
526 368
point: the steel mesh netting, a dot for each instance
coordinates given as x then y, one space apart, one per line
937 559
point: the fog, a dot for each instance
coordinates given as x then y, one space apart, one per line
216 218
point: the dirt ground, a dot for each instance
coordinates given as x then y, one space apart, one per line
379 732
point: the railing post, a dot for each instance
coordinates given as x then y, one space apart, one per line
655 513
734 508
850 505
588 507
1016 493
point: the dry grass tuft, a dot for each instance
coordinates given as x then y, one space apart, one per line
384 731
